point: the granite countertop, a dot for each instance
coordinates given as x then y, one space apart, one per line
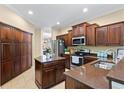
117 72
44 60
97 78
92 76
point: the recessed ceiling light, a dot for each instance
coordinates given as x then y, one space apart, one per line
30 12
58 23
85 10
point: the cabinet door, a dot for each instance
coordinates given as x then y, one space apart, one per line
29 55
17 66
26 37
0 73
60 73
6 71
6 34
49 77
91 35
65 38
17 35
115 34
0 62
69 38
75 31
24 57
7 52
81 29
101 36
17 59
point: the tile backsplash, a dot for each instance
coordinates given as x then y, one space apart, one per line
95 49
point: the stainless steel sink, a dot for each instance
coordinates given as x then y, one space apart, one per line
104 64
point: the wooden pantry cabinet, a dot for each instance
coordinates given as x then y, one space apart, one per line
15 52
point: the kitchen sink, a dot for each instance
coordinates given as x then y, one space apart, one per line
104 64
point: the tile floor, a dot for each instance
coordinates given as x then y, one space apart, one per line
26 81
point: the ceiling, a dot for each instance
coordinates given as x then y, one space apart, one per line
47 15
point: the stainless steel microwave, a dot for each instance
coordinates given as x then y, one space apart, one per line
79 40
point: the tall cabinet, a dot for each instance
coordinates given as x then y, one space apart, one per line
15 52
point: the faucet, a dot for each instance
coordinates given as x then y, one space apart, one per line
114 54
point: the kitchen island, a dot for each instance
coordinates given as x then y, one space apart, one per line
90 77
49 72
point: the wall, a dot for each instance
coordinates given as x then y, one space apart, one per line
103 20
9 17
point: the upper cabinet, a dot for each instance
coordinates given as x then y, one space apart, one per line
115 34
79 30
91 34
110 35
17 35
107 35
69 37
63 37
6 35
101 36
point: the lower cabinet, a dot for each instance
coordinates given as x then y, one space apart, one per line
67 63
49 75
6 71
59 72
0 71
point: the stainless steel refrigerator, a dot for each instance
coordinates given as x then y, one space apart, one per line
58 47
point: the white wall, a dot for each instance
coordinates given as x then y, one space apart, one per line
103 20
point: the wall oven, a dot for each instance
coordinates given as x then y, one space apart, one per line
78 40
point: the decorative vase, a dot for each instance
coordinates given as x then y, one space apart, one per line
47 55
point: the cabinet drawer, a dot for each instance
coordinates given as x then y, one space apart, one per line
47 65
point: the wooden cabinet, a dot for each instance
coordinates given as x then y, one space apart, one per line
15 52
71 83
17 59
79 30
0 62
48 73
6 34
67 63
7 52
17 35
24 56
101 36
110 35
60 68
91 34
69 37
63 37
6 62
115 34
6 71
